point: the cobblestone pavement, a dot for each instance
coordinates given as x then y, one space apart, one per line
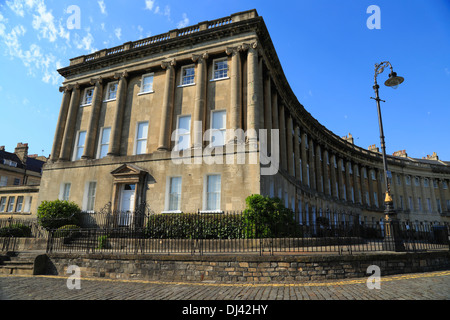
421 286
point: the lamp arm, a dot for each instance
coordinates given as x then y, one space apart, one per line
379 68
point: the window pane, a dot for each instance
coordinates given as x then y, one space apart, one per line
184 124
11 204
219 119
81 138
91 196
19 204
66 191
220 69
141 146
104 143
213 192
174 193
147 84
142 130
112 91
88 96
188 75
105 135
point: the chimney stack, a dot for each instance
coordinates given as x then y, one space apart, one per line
22 151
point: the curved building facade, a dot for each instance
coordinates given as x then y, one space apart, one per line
201 117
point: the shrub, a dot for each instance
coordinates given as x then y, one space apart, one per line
57 213
16 230
268 217
195 226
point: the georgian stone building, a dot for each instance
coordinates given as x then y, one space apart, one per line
20 175
126 110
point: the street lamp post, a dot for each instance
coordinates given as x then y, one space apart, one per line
392 240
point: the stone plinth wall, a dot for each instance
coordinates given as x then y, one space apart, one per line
244 268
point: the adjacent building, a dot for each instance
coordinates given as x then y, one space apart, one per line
20 176
174 121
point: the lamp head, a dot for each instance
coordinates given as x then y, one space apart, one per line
394 80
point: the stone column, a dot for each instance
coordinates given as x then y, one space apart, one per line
369 177
290 147
442 194
363 185
433 195
334 190
326 187
297 154
60 127
268 110
200 101
342 195
283 151
69 130
91 134
320 184
275 119
356 189
348 184
381 186
236 91
312 165
253 94
116 129
167 106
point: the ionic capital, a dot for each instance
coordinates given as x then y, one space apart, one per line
96 81
168 64
121 75
200 57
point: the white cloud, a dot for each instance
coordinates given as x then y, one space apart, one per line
17 7
183 23
118 33
149 4
102 5
157 9
44 22
85 43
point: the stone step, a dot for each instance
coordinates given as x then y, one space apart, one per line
21 269
21 263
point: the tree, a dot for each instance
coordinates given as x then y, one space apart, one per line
57 213
267 217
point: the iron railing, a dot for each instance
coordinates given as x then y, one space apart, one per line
233 233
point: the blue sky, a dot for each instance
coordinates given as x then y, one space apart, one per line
325 47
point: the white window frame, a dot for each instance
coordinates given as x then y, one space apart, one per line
84 99
168 194
187 133
88 203
223 130
11 202
100 144
141 91
77 147
182 76
62 191
108 91
27 204
3 202
19 204
205 194
215 61
136 139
